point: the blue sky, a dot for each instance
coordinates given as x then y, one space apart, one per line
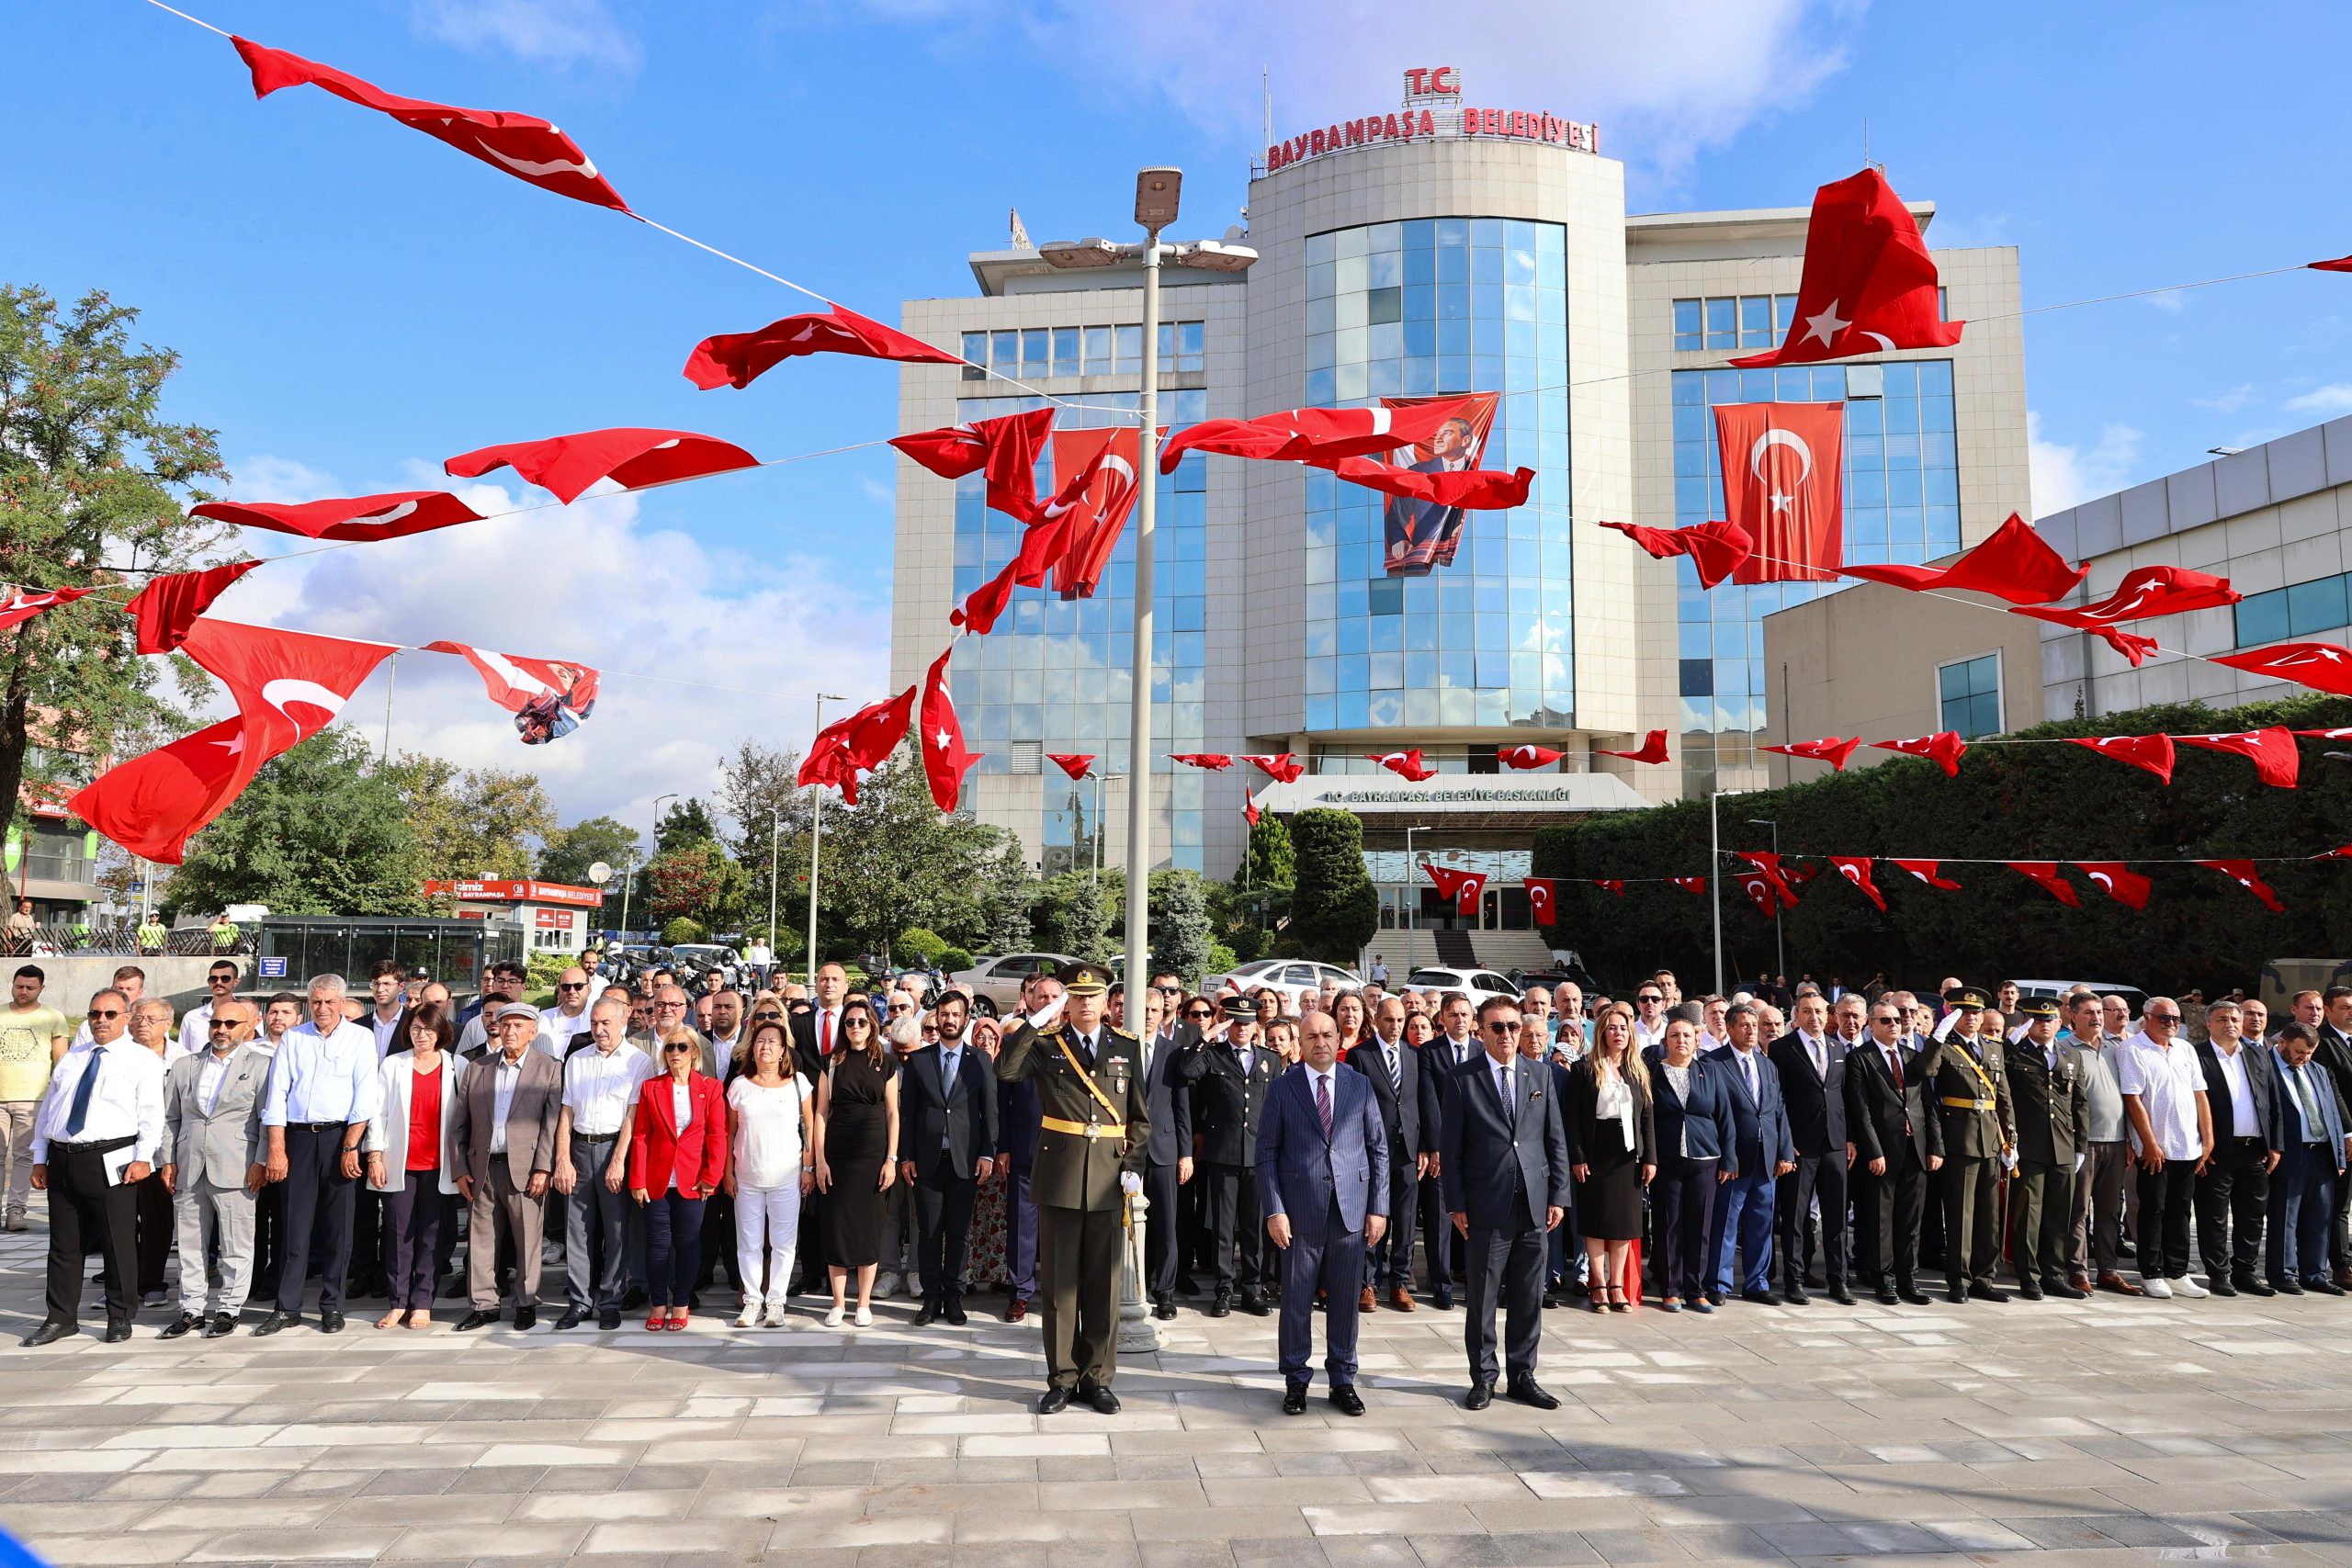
355 301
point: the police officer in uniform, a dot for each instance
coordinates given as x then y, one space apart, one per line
2048 1087
1972 1093
1091 1147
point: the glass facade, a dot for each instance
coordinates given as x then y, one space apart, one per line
1968 696
1409 309
1901 507
2302 609
1056 672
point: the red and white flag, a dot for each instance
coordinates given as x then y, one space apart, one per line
2342 732
287 687
1005 448
169 605
2278 761
1716 549
26 604
1924 870
390 516
1856 869
1763 891
1525 757
1541 905
1322 436
1697 885
2131 645
2012 562
630 458
738 359
1249 812
523 145
858 744
1653 750
1077 764
2151 752
1283 768
1766 864
1094 490
1869 285
2243 874
2047 874
945 759
2322 666
1784 486
1831 751
2146 592
1944 748
1460 888
2123 885
980 612
1614 886
1404 764
549 697
1214 761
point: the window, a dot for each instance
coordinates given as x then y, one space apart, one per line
1028 757
2302 609
1968 696
975 351
1749 320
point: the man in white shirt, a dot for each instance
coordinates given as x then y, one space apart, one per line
2172 1129
131 981
1649 1015
759 959
324 1088
387 1005
601 1083
196 1027
94 1142
566 1021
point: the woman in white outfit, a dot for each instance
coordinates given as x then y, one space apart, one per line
774 1164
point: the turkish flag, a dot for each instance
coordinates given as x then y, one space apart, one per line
2012 563
1784 486
1944 748
860 743
169 605
2322 666
2131 645
1856 869
2277 758
1763 890
1404 764
2126 886
1523 757
1768 865
1283 768
1474 490
549 697
1716 549
2344 733
630 458
1094 490
393 515
2242 873
1653 750
523 145
1697 885
152 804
1541 906
2151 752
1460 888
944 760
1610 885
2147 592
1869 285
1077 764
1214 761
1924 870
1832 752
1322 436
1249 812
1005 447
980 612
2046 872
23 606
738 359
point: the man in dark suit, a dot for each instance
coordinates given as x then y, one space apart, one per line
2050 1087
1453 1046
2249 1141
1503 1159
1170 1065
1322 1172
1897 1141
1229 1100
1406 1095
1811 1063
947 1138
2302 1190
1764 1152
2331 1033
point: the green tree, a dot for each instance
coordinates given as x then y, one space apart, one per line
569 851
700 881
759 794
1271 860
93 484
321 831
894 860
1334 906
473 822
1181 934
1078 921
688 822
1008 888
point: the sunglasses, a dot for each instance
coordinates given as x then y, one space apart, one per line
855 1023
572 985
767 1016
676 1050
1651 998
108 1012
2153 1018
1496 1026
1198 1013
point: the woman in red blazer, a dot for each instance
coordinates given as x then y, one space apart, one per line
677 1155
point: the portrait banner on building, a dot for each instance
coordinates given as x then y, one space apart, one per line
1420 536
1784 485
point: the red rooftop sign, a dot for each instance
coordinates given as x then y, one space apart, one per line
1433 109
505 892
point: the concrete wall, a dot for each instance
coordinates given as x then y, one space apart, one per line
179 981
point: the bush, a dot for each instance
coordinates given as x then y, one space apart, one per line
1335 908
917 941
1221 958
683 929
953 959
542 972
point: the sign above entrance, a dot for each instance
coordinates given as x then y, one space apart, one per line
1433 109
1454 793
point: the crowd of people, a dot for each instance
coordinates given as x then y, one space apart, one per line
655 1147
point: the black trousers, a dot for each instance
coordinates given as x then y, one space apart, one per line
1390 1260
1816 1176
942 1228
2166 1196
1505 1266
1441 1248
716 1245
369 1244
414 1218
2232 1201
83 1207
1682 1200
1887 1214
158 1231
2041 1213
1238 1233
1196 1243
1160 1236
317 1194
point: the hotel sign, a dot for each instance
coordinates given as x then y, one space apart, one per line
1433 109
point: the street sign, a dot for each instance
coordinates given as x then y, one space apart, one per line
139 887
273 968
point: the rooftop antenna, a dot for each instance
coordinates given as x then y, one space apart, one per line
1266 92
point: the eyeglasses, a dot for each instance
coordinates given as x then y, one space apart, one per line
1650 996
1496 1026
767 1015
855 1023
215 1023
1197 1012
2153 1018
572 985
107 1012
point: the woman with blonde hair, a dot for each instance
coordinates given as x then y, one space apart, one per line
1613 1154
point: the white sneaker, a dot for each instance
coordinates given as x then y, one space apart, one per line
2185 1286
885 1286
914 1286
2155 1289
865 1317
750 1316
776 1317
833 1317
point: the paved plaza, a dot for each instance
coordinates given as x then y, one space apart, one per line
2110 1430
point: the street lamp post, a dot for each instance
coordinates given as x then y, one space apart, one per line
816 838
656 849
1411 909
1095 876
1715 875
775 829
1779 945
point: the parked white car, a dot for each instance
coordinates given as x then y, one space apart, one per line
1296 978
995 983
1475 984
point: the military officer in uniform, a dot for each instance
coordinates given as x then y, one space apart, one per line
1091 1143
1972 1093
2050 1090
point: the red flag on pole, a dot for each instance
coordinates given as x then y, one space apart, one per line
1943 748
2123 885
945 759
2147 592
1653 750
25 604
2322 666
1095 488
1540 906
2341 263
1832 752
1523 757
1077 764
2047 874
1784 486
738 359
860 743
2012 563
1460 888
1856 869
2150 752
1768 865
1404 764
1214 761
1006 448
1283 768
169 605
980 612
2277 758
632 458
393 515
1249 812
1716 549
1869 285
2243 874
1924 870
1763 890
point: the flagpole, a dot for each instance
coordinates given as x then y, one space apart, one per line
1156 195
816 838
391 680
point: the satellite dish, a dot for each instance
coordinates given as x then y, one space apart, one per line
600 874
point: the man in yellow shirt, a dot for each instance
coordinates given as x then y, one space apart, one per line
31 1039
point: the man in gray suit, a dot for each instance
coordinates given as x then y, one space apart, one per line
507 1106
212 1162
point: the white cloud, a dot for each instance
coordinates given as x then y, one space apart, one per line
877 492
559 33
278 482
2331 400
2228 401
2063 476
2173 300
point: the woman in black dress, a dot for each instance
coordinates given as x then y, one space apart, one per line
1612 1152
857 1140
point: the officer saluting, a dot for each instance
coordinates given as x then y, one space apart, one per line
1090 1158
1971 1086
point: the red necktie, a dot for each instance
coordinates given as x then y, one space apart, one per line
825 1046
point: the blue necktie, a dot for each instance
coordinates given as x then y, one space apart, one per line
79 1112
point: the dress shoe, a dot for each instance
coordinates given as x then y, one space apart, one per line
179 1326
1527 1391
525 1318
1348 1399
1254 1303
1221 1304
927 1316
2344 1276
278 1318
1015 1310
1987 1293
1911 1294
1841 1295
953 1313
1761 1298
1443 1301
1794 1295
2254 1287
1053 1401
1401 1300
1956 1292
1886 1296
1106 1402
1163 1308
2065 1290
2112 1280
47 1334
2323 1285
571 1319
2080 1284
478 1318
1714 1298
608 1319
222 1323
2027 1290
1481 1394
2222 1287
1293 1399
330 1322
117 1333
1367 1301
2288 1287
